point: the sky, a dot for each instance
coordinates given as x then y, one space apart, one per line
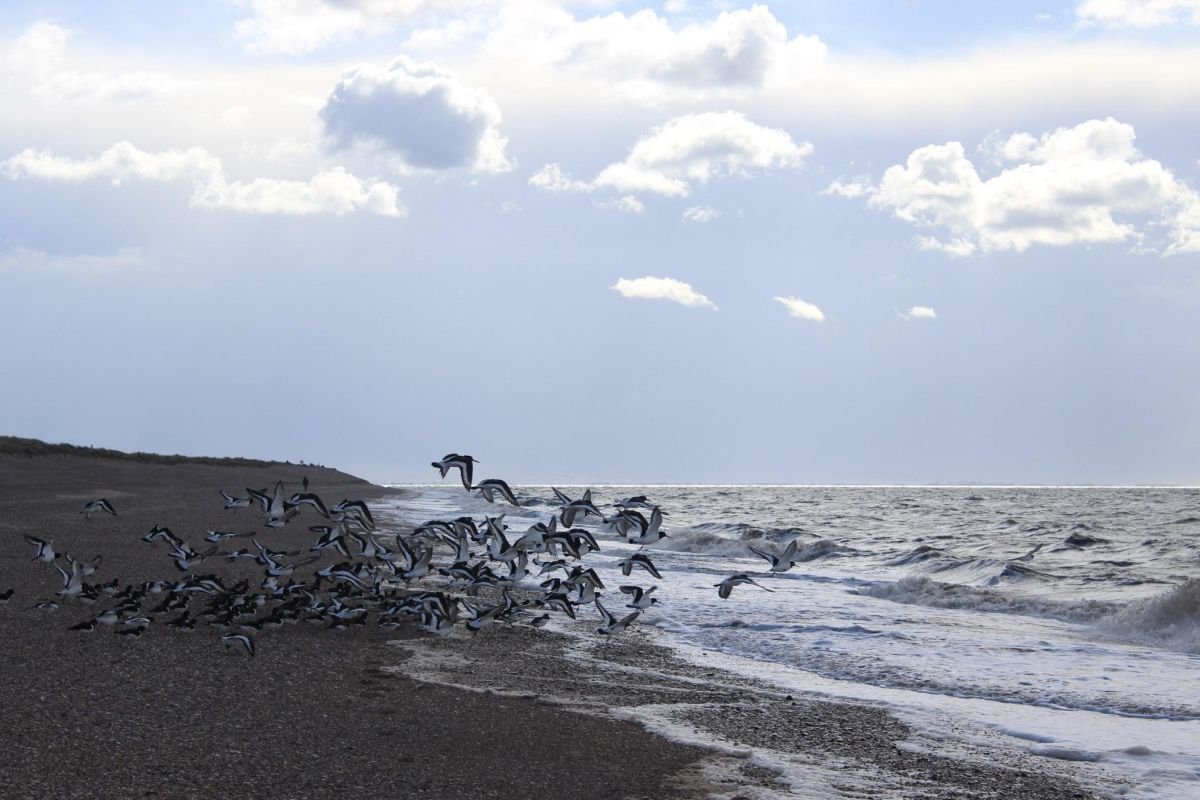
867 242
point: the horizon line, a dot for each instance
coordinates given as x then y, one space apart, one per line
839 485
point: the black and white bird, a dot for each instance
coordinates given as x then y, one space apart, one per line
234 503
638 501
464 464
725 587
639 598
612 625
652 531
638 560
572 508
72 581
494 486
239 641
100 504
779 563
45 549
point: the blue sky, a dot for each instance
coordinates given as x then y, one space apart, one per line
394 231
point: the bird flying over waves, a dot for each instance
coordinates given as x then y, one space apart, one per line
725 587
640 598
779 563
464 464
638 560
493 486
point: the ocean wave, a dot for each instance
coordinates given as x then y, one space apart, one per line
702 539
922 591
1170 620
989 571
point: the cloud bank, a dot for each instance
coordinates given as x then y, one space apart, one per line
1138 13
38 59
332 191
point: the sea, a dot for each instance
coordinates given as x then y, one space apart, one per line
1061 620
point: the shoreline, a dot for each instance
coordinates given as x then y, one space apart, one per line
175 714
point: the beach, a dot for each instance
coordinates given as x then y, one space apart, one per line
512 712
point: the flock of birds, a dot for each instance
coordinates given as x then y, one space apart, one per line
389 576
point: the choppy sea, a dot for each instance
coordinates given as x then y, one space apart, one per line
1064 619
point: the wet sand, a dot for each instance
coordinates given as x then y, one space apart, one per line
510 713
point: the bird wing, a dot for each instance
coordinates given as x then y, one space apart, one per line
762 554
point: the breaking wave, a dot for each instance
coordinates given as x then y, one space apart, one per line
1170 620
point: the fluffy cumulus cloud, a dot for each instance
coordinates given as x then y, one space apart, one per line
687 150
332 191
650 288
37 59
800 309
1081 185
1138 13
644 53
420 113
919 312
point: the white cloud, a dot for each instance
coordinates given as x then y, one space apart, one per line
552 178
700 214
332 191
27 258
690 149
420 112
1138 13
37 59
302 26
854 187
1081 185
695 148
645 56
650 288
235 116
919 312
640 53
800 309
629 204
